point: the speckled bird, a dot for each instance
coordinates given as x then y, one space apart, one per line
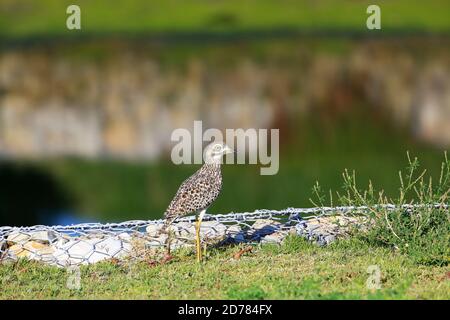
199 191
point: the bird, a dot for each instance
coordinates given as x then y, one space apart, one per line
198 192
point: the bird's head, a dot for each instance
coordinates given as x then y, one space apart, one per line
215 151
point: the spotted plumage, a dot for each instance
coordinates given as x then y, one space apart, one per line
200 190
197 193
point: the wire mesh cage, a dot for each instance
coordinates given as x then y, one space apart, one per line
89 243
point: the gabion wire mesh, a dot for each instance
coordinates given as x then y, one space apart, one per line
89 243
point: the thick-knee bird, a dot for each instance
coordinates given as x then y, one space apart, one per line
199 191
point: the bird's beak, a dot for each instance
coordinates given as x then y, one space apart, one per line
229 150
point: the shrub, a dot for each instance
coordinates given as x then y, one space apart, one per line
422 233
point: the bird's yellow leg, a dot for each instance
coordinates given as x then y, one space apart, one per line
197 239
198 242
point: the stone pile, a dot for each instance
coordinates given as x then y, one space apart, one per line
61 249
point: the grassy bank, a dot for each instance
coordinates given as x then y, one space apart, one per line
296 270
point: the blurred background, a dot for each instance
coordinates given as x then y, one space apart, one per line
86 115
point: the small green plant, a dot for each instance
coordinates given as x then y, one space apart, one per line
422 233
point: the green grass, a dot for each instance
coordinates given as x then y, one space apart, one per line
295 270
24 19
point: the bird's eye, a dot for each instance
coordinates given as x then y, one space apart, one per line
217 147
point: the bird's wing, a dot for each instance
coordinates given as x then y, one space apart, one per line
194 194
182 203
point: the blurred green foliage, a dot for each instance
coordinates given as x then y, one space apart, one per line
22 19
116 190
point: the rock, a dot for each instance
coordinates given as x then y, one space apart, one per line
263 227
155 237
183 233
18 237
325 230
235 234
262 223
31 250
183 230
154 230
124 236
213 231
328 239
74 252
87 251
278 236
61 241
21 237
